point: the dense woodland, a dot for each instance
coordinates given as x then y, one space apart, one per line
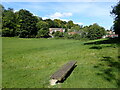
24 24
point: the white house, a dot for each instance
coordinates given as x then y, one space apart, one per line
51 30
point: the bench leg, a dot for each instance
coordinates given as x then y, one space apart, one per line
53 81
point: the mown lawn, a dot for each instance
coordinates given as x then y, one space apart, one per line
29 63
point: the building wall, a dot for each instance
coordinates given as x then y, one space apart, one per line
51 30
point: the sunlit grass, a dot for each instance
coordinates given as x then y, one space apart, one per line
28 63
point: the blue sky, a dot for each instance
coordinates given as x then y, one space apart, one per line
83 13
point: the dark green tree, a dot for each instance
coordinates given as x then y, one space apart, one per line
116 13
2 9
43 29
95 31
26 24
58 34
57 23
42 33
75 28
42 25
76 36
8 23
70 24
50 23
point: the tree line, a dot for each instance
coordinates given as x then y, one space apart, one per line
24 24
116 12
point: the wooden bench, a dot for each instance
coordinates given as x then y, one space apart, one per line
62 72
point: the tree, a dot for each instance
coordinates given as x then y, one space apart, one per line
9 23
58 23
70 24
95 31
75 28
58 34
2 9
42 25
43 33
50 23
43 29
84 31
116 13
26 22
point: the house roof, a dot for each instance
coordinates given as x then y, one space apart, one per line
72 33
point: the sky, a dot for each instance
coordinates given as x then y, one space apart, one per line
82 13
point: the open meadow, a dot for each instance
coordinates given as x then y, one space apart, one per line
29 63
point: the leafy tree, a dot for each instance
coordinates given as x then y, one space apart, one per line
84 31
26 22
43 28
75 28
58 23
66 35
39 18
50 23
76 36
63 24
7 32
2 9
70 24
95 31
116 13
9 23
43 33
42 25
58 34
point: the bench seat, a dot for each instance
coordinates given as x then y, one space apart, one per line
62 72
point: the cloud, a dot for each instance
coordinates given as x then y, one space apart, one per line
58 15
79 23
15 11
64 20
45 18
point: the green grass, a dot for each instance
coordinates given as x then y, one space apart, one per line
0 62
29 63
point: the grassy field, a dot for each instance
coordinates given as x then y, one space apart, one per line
28 63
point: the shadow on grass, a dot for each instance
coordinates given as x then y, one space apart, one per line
109 70
108 41
67 75
101 47
114 42
96 47
108 67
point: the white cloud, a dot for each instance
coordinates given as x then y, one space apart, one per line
15 11
64 20
79 23
45 18
58 15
